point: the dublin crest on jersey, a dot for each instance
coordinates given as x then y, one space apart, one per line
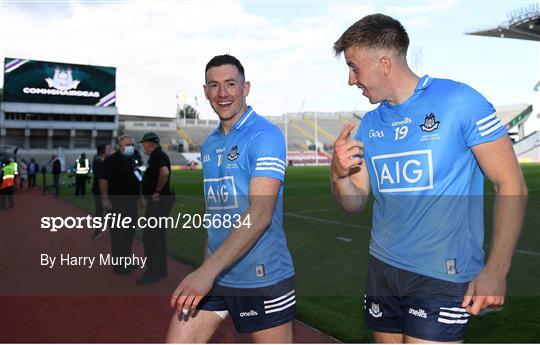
430 123
234 153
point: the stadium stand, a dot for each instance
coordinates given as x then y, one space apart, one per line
329 124
297 138
297 158
165 127
513 116
528 149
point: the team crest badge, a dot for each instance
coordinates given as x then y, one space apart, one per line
451 266
62 79
260 271
233 155
430 123
375 310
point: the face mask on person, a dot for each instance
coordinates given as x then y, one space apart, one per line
129 150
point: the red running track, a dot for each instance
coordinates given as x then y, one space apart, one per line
83 305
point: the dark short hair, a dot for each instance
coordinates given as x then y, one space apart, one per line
101 149
374 31
225 59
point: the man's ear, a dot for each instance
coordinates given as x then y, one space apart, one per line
247 86
205 93
386 64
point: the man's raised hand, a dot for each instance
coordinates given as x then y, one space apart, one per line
348 154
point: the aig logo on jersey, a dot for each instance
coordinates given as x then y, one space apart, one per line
404 171
220 193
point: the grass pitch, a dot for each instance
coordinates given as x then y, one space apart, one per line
330 251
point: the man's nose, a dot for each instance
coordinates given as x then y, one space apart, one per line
352 79
222 91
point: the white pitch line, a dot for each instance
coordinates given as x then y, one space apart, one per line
189 197
344 239
527 252
326 221
315 211
489 311
521 251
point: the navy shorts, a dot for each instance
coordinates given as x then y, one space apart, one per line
399 301
254 309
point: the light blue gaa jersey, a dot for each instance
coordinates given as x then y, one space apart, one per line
253 148
427 184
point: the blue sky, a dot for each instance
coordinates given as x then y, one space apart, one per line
160 47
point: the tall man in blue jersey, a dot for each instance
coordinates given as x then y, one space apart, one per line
423 153
247 270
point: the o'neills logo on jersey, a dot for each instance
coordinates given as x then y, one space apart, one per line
403 122
418 312
249 313
404 171
61 84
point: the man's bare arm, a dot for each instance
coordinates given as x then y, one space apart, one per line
205 247
498 162
350 180
104 193
162 178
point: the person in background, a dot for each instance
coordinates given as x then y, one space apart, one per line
119 188
23 173
103 151
82 171
8 184
56 170
33 169
156 190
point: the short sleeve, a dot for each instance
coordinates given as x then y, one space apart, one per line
161 160
479 123
267 153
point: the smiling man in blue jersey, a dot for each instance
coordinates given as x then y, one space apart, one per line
423 153
247 270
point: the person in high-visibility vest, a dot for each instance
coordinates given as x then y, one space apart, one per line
8 184
81 174
16 172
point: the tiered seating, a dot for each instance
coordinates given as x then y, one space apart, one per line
528 149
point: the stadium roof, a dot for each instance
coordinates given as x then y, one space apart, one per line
523 24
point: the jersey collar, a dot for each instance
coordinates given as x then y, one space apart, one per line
241 123
423 83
